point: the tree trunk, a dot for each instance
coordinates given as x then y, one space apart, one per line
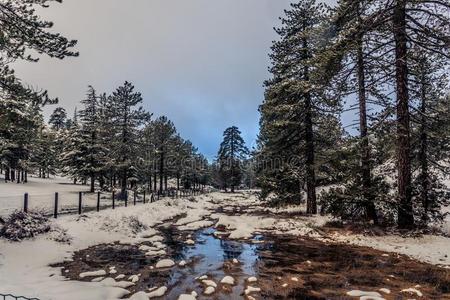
92 183
178 181
405 210
423 155
123 183
161 171
165 182
150 183
311 201
365 148
7 174
26 176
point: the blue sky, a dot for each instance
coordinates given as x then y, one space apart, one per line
200 62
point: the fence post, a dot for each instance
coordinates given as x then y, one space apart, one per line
144 197
25 202
98 201
55 212
80 199
134 197
113 199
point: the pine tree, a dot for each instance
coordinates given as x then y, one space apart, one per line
403 25
230 156
295 102
23 30
127 118
58 119
163 134
429 123
94 158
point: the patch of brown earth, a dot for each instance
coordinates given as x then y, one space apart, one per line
329 271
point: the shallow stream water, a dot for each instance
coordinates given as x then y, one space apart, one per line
213 257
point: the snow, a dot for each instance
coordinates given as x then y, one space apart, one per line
158 292
209 290
358 293
182 263
252 289
93 273
139 296
435 252
413 291
227 280
41 194
187 297
165 263
252 279
209 283
23 272
385 290
190 242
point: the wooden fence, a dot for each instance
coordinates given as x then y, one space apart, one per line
114 200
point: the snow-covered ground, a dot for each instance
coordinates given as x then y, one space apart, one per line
24 266
41 193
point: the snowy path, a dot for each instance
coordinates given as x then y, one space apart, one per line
24 267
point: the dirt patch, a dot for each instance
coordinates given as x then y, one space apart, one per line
329 271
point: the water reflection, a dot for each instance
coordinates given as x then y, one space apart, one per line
208 256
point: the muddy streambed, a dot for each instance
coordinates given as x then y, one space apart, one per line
286 267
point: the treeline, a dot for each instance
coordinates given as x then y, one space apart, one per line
387 60
111 141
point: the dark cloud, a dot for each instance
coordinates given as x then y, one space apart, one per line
200 62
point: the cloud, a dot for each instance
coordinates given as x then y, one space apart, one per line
200 62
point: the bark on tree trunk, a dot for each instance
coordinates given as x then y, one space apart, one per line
423 154
311 201
365 149
161 171
165 182
123 189
7 174
92 183
405 211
